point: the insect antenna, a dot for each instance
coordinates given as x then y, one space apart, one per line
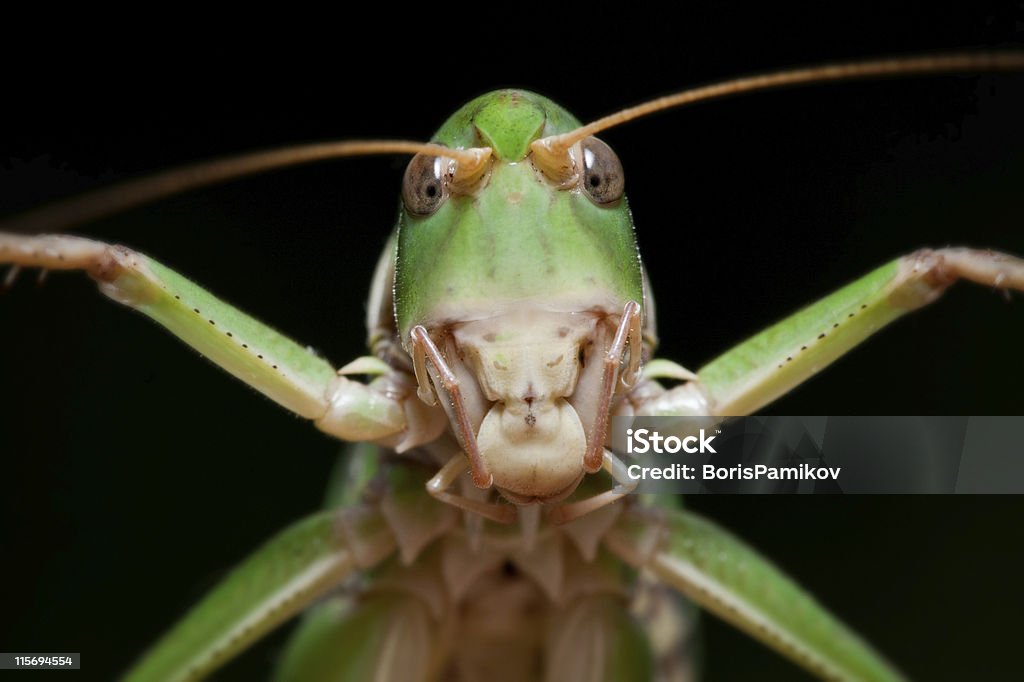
556 147
86 207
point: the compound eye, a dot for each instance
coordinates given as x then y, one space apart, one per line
602 172
424 187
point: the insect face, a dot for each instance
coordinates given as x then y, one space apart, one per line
520 283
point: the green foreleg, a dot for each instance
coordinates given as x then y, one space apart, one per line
773 362
281 369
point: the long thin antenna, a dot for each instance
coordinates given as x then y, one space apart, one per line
108 200
958 62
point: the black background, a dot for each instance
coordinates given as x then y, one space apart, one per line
134 474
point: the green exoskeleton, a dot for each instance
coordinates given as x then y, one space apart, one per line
510 318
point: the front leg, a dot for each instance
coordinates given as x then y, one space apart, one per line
293 376
773 362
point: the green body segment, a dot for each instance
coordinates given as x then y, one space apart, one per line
622 652
518 239
385 636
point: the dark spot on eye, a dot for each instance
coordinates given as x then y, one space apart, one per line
835 325
602 172
863 306
245 345
821 335
260 357
850 315
789 359
212 322
195 310
176 297
229 333
423 187
803 347
275 366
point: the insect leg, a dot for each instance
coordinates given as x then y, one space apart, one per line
293 570
385 515
630 331
388 626
281 369
720 573
423 349
773 362
440 485
624 485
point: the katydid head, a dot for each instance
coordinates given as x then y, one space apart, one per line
519 281
472 249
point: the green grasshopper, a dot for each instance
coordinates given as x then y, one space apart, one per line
477 374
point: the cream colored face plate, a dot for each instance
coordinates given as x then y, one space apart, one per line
526 353
526 362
